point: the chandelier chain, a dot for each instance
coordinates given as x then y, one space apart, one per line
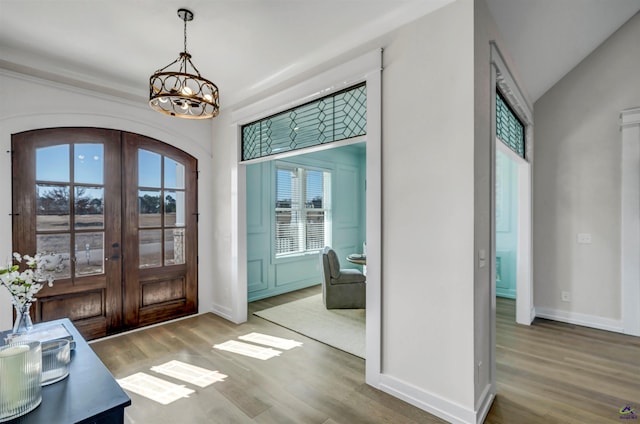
185 35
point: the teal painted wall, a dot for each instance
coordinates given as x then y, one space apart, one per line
268 276
506 225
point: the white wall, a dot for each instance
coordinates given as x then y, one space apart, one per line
28 103
577 183
428 208
224 259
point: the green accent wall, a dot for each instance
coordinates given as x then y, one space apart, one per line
268 276
506 225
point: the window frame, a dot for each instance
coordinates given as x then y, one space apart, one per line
301 171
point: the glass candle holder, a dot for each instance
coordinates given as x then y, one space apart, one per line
56 355
20 379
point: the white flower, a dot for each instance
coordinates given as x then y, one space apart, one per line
23 286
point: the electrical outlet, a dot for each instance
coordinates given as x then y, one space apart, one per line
584 238
565 296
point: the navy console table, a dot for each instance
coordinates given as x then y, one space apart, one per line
89 395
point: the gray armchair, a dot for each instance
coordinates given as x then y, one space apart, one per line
341 288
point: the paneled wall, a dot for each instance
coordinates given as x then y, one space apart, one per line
269 276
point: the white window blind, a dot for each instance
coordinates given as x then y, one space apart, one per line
302 210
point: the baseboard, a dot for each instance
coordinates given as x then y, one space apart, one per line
508 293
484 404
442 408
223 311
276 291
585 320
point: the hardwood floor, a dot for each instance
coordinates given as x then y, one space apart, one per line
552 372
547 373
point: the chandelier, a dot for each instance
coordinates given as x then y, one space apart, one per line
183 92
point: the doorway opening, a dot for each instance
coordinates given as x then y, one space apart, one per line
513 231
295 207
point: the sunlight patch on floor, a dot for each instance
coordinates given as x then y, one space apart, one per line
165 392
189 373
265 339
154 388
247 349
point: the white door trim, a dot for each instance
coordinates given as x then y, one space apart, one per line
630 221
524 300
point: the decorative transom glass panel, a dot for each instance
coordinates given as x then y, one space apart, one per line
336 117
509 129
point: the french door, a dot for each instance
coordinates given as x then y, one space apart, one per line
118 212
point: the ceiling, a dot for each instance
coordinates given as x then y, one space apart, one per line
548 38
247 46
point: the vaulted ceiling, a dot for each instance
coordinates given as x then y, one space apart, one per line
245 46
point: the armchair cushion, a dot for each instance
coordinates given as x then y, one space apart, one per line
348 276
334 263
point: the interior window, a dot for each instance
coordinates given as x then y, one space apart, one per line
302 210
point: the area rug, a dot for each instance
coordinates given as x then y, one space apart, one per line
343 329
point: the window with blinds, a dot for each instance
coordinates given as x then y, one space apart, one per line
509 129
336 117
302 210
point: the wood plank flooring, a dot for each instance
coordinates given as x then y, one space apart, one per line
552 372
547 373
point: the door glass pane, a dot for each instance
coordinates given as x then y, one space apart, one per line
52 163
89 208
149 169
150 248
56 245
174 208
149 208
174 246
173 173
89 253
52 205
88 163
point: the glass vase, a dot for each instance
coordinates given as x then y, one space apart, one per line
20 385
23 321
